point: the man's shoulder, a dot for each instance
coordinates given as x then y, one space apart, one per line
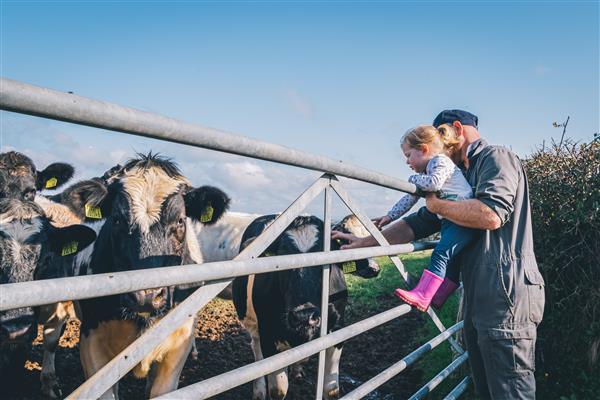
497 152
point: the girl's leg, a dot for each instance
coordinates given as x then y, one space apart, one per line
453 271
454 239
452 279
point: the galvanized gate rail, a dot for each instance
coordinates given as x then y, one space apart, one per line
28 99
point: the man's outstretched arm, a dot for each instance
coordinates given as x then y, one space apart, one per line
398 232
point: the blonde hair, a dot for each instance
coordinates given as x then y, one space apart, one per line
444 137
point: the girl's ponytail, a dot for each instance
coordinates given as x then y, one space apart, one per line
449 137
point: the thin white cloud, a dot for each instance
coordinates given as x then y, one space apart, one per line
299 104
245 174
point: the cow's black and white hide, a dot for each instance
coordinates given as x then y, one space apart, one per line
221 241
19 179
30 248
365 268
282 309
146 224
53 317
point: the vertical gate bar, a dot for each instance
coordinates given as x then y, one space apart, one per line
325 290
341 192
118 367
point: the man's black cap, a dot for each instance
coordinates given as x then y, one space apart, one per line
449 116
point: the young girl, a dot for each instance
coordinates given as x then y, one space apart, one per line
427 149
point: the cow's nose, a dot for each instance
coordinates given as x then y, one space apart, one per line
154 298
310 316
16 329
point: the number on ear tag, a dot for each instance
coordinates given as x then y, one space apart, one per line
207 214
349 267
69 248
92 212
51 183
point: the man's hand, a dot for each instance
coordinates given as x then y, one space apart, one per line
353 241
380 222
432 202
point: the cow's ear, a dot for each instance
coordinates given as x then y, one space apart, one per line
54 176
89 199
206 203
71 239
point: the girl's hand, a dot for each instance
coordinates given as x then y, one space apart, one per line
380 222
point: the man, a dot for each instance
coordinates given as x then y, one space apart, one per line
504 290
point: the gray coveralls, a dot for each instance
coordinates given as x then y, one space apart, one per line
504 290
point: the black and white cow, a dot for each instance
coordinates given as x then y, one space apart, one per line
282 309
30 248
147 214
19 179
53 317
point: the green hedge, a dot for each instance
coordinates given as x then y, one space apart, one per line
564 185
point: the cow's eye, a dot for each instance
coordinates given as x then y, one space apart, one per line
181 222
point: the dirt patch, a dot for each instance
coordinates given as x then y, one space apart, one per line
223 345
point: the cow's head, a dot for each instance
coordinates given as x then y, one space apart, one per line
365 268
19 178
146 211
29 249
300 288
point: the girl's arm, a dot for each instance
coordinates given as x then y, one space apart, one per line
439 169
402 206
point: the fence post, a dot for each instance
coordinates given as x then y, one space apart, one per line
325 290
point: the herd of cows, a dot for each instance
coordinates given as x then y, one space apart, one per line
146 214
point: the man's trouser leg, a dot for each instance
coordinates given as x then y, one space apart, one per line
508 354
502 360
475 360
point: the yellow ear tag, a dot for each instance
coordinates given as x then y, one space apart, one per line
69 248
207 214
92 212
349 267
51 183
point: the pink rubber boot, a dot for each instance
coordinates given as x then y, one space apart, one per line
421 295
446 289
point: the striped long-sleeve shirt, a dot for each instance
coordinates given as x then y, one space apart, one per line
441 175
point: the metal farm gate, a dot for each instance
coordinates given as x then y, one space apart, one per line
27 99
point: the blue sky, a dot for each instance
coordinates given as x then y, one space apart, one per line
341 79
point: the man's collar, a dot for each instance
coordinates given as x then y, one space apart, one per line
472 150
475 148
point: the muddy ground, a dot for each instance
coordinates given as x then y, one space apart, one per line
223 346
